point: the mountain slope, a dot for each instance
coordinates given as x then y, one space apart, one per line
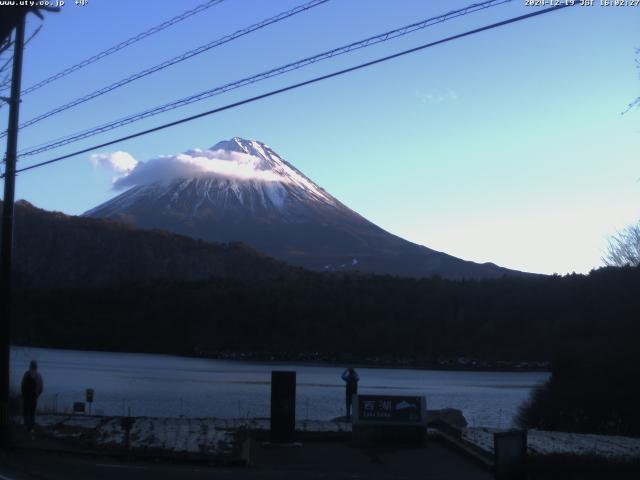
243 190
53 249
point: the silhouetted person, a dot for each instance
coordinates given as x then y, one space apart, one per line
31 390
351 378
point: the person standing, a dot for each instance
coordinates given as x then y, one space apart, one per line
31 390
351 379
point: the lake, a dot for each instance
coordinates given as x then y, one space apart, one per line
164 385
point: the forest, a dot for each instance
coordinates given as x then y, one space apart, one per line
532 318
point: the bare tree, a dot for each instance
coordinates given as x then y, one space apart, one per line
624 247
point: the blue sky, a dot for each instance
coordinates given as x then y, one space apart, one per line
507 146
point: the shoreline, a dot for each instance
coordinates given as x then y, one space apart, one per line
479 366
460 364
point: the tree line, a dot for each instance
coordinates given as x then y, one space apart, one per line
534 318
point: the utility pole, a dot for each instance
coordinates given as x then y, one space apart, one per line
7 231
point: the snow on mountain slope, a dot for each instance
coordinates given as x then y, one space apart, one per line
258 179
243 190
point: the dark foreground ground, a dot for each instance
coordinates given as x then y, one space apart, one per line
312 460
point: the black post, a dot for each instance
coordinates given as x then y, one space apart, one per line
7 231
510 454
283 406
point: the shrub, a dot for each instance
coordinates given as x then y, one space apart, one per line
590 393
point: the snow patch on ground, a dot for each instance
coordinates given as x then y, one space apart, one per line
542 443
205 436
214 436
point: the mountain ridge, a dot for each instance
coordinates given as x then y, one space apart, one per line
52 249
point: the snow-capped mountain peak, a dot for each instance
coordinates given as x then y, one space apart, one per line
235 173
268 160
243 190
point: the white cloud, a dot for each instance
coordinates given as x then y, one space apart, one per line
193 163
428 97
118 162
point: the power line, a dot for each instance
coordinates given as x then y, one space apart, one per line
173 61
383 37
124 44
299 85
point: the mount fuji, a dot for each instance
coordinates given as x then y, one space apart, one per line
242 190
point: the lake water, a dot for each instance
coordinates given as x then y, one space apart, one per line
163 385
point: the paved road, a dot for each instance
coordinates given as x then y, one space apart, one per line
311 461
